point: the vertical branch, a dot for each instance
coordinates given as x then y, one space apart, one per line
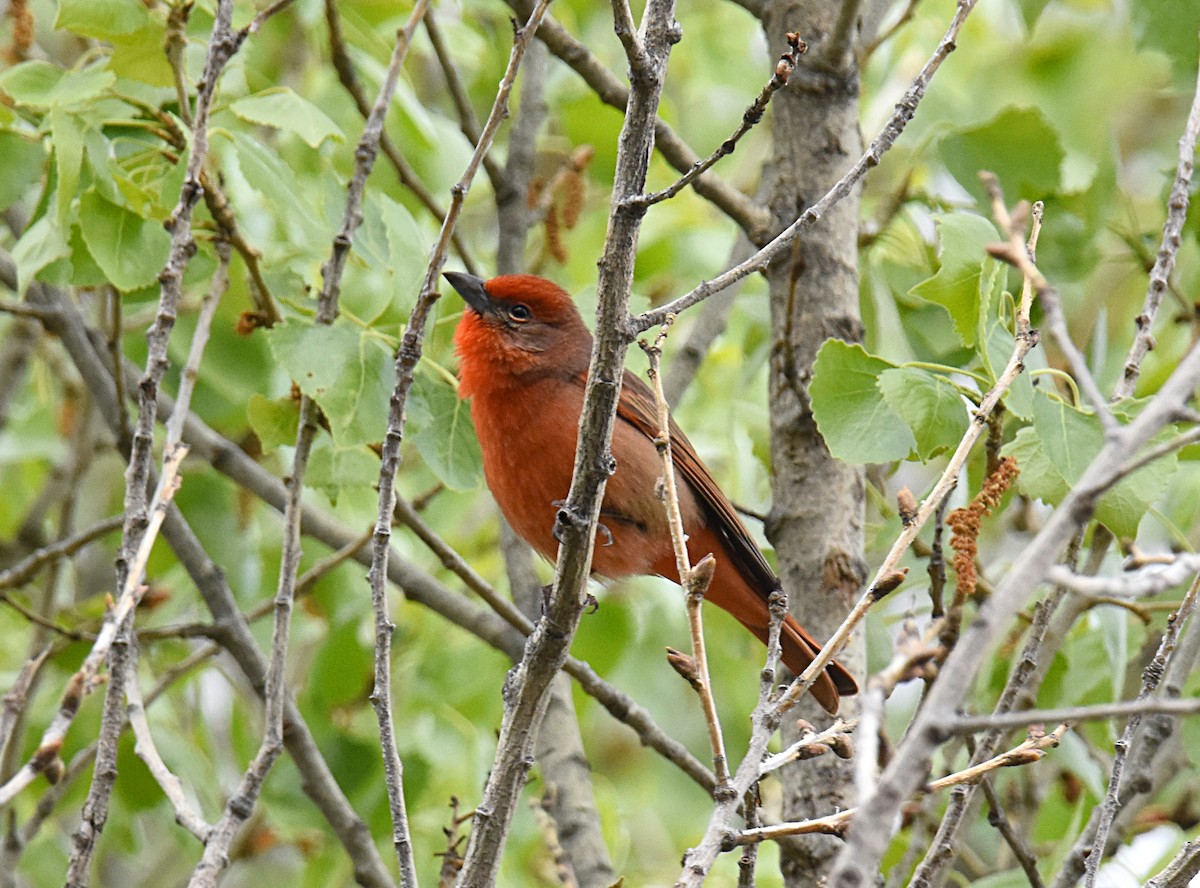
1160 275
406 360
1151 677
576 522
695 580
241 803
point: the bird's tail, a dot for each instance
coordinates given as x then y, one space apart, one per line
800 649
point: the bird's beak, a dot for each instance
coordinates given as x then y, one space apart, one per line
471 289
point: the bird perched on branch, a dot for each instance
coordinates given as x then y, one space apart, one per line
524 354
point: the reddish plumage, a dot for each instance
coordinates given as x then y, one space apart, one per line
524 353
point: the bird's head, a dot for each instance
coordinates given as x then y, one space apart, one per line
515 325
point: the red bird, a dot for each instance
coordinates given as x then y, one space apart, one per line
524 354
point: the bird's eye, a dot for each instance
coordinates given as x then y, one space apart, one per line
520 312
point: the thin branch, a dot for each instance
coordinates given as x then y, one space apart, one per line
468 123
912 757
408 177
751 218
695 581
1151 677
1160 275
1015 252
1149 580
905 109
750 118
835 52
241 803
191 369
84 681
104 776
406 359
973 724
577 520
883 37
25 570
185 814
1019 847
1183 867
16 698
1031 750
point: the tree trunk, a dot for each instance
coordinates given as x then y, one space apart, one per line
816 518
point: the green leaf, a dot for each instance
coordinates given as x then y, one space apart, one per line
444 434
31 83
1161 25
282 109
138 55
68 159
267 174
274 420
962 285
347 372
334 470
101 18
854 419
1039 479
1073 438
931 406
388 261
1019 145
41 244
21 159
1000 345
1031 11
129 249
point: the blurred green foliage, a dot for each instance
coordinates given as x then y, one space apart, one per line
1077 103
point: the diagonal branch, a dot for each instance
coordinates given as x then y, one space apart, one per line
1160 275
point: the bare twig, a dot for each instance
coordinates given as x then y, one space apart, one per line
16 698
972 724
1160 275
1181 870
406 359
408 177
912 757
905 109
27 569
185 814
751 218
83 682
1014 840
750 118
1030 750
1015 252
468 123
695 580
1149 580
241 803
1151 677
577 520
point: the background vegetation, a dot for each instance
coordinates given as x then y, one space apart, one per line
1079 104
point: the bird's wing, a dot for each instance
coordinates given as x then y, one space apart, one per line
637 407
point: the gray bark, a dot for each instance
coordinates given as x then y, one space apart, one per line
816 518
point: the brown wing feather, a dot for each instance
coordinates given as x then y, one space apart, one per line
638 409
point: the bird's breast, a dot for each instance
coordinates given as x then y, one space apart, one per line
527 437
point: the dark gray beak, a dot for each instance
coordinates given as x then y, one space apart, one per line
471 289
